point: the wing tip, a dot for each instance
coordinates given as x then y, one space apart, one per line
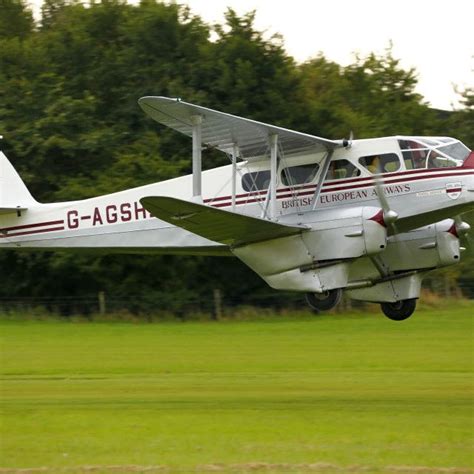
158 98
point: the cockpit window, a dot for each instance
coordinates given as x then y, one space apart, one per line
302 174
456 150
382 163
435 160
427 141
415 159
433 152
341 169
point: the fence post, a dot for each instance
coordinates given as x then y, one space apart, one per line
217 304
102 307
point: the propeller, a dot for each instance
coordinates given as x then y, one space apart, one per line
389 215
347 143
462 231
462 228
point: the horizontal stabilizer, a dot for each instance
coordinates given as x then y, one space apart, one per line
215 224
11 210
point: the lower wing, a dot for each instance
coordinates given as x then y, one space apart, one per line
216 224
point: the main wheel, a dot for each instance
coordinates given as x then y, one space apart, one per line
399 310
324 301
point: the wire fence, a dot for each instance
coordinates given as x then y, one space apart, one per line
213 305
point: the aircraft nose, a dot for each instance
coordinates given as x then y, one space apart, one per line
469 163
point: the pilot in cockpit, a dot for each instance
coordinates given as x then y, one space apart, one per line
433 160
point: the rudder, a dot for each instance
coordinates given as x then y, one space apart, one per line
14 194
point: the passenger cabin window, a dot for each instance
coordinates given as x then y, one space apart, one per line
301 174
256 181
382 163
341 169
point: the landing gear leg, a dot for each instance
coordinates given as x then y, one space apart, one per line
324 301
399 310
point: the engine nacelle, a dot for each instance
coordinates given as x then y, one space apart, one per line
447 243
429 247
411 254
318 259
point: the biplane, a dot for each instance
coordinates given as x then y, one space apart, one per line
366 217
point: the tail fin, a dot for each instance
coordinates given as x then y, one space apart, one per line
14 195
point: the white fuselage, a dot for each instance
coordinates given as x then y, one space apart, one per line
118 222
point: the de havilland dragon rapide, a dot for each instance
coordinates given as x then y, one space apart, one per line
366 217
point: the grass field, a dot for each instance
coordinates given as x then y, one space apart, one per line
331 393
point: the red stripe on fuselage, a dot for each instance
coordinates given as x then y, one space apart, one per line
30 232
396 181
366 179
282 193
336 186
30 226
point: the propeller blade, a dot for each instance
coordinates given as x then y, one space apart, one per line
389 215
347 143
462 230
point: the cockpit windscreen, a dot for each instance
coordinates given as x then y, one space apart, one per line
432 152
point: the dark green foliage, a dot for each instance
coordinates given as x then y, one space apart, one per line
16 21
68 109
372 97
463 120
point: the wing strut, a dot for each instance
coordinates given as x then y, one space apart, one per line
197 157
273 174
235 152
322 177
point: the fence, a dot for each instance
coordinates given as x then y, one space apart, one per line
213 305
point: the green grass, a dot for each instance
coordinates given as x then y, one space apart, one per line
344 390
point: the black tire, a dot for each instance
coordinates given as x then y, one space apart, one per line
399 310
324 301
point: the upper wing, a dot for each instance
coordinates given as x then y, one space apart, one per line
223 131
215 224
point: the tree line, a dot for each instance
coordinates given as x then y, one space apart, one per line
69 86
